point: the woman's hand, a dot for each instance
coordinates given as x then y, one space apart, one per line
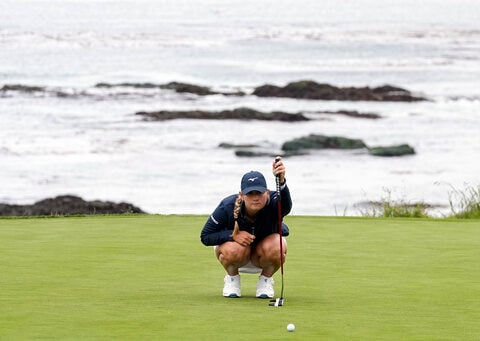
278 169
244 238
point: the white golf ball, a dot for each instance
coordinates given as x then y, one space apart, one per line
290 327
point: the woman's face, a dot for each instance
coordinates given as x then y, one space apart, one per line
254 201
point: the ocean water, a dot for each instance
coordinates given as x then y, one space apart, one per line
74 138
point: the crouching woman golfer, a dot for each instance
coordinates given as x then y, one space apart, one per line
244 232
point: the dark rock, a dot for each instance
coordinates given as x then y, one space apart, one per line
67 205
254 153
352 113
301 145
236 114
233 146
313 141
251 153
389 151
189 88
129 85
40 90
21 88
311 90
175 86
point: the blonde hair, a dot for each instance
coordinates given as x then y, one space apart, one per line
236 213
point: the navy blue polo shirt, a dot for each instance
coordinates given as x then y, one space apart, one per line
219 225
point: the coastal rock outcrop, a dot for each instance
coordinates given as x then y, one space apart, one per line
67 205
314 141
303 89
352 113
388 151
175 86
235 114
302 146
21 88
307 89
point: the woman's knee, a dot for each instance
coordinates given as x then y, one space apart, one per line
232 252
269 248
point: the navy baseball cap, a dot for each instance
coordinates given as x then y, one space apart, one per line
253 181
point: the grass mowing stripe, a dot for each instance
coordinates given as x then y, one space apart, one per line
148 277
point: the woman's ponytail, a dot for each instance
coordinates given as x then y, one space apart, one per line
236 213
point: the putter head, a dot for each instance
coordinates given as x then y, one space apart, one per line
277 302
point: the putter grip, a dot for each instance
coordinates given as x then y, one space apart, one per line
277 180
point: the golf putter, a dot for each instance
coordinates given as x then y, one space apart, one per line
278 302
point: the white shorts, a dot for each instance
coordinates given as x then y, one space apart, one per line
248 268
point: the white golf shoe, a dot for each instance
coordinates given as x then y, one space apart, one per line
232 286
265 287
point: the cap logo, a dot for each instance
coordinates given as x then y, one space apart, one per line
253 179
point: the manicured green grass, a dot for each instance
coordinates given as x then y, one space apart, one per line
149 277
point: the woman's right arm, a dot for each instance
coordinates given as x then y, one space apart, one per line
216 230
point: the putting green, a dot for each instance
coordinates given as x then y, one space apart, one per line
149 277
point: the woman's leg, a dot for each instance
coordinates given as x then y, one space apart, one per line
267 254
232 256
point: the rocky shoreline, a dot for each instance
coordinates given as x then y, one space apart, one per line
248 114
298 90
303 145
235 114
312 90
303 89
66 205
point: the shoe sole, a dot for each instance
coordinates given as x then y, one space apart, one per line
231 296
264 296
